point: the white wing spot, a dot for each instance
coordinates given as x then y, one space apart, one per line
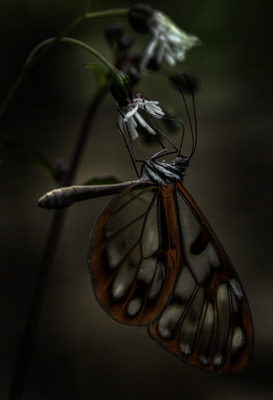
222 293
157 281
118 289
204 360
236 287
213 258
147 270
185 349
169 320
218 361
238 339
209 315
134 306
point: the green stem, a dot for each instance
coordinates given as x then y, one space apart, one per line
87 6
84 133
122 12
33 62
86 16
29 335
95 53
90 49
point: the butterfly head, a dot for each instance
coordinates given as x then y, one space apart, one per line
181 163
162 173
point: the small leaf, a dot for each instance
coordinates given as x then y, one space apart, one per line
27 155
100 73
107 180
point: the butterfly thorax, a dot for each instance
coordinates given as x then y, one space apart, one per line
163 173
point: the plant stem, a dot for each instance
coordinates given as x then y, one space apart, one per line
28 338
121 12
91 50
29 335
83 135
34 61
83 45
45 50
87 5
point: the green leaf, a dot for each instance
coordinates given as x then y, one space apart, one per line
107 180
100 73
27 155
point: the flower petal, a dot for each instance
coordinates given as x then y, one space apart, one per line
167 41
144 123
130 125
130 113
152 109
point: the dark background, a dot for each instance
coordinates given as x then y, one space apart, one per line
79 352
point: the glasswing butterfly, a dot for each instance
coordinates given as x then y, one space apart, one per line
154 260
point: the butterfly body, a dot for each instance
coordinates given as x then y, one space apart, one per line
164 173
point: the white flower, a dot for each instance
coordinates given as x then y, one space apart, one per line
166 40
128 115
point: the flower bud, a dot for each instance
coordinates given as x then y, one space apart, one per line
133 74
121 87
114 32
139 16
125 42
154 63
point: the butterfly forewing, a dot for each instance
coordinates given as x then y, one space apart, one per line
134 256
207 321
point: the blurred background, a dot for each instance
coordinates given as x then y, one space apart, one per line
79 352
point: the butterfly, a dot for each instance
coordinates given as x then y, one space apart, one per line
155 261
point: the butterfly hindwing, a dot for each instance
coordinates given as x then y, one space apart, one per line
134 256
207 321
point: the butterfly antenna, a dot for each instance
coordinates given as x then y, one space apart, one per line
183 132
129 151
195 116
162 133
154 126
193 131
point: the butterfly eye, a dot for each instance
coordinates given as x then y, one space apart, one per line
181 162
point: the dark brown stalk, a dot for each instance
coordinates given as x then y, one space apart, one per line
29 335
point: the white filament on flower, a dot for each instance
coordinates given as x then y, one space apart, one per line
129 114
166 41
